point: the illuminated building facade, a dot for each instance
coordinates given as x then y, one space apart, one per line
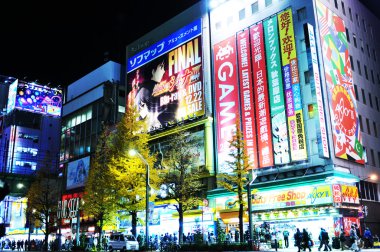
302 77
95 99
30 121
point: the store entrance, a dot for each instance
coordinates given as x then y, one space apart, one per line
271 229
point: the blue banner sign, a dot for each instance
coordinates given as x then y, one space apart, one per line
175 39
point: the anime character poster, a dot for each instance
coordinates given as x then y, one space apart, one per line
77 173
345 125
169 88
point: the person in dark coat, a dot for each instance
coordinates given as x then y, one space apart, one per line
305 240
298 239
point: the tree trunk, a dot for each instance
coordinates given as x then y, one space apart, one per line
134 222
100 230
180 222
241 231
46 245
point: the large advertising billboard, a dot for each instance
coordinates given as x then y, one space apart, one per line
264 136
77 173
39 99
197 150
345 125
292 86
276 93
226 98
246 98
12 96
169 88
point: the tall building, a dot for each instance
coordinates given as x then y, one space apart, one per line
29 142
303 79
94 100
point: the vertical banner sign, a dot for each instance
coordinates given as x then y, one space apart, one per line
265 149
347 136
316 87
226 98
292 86
246 97
276 93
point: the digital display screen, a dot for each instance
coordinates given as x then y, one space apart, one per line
39 99
77 172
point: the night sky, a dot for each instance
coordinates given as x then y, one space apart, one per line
61 41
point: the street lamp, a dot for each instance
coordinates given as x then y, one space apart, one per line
136 153
372 177
252 177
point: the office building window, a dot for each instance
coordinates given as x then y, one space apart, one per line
364 26
375 129
361 123
368 51
350 13
363 96
255 7
354 38
268 2
357 19
348 35
301 14
366 72
374 54
229 20
373 162
368 126
352 63
378 157
356 92
361 45
377 103
218 25
307 76
372 77
370 99
336 3
343 9
241 14
359 67
368 191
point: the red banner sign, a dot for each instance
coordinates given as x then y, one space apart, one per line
226 97
261 97
246 98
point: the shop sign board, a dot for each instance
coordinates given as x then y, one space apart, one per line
350 194
298 150
248 121
264 138
276 93
226 98
300 196
346 132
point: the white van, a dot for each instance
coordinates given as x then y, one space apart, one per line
119 241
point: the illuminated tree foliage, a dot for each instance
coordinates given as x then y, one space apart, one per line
238 178
130 172
99 197
43 196
182 175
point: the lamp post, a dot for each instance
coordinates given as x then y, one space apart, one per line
136 153
252 178
372 177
